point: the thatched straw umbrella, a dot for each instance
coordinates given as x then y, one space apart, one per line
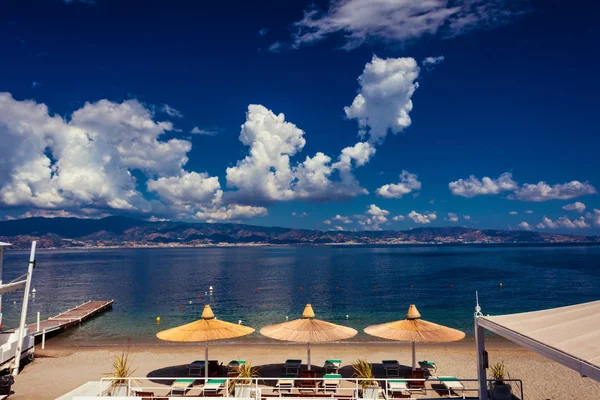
414 329
308 330
206 329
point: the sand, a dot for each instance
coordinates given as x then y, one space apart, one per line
61 368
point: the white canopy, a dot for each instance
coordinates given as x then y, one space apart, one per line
2 244
568 335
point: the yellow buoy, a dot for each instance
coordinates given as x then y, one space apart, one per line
500 284
158 320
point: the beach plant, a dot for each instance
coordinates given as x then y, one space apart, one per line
499 372
242 375
364 370
121 369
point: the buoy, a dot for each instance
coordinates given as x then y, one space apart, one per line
500 284
181 307
14 302
374 287
336 288
240 322
210 288
158 320
33 291
190 302
286 317
198 297
346 316
205 293
300 288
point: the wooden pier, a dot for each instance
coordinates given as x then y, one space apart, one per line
68 319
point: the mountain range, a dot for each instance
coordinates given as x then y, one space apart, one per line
120 231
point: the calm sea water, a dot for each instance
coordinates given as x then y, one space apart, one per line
368 284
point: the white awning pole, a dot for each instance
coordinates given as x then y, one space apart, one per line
206 363
21 333
481 359
308 354
414 354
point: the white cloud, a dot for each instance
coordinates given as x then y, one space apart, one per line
208 132
300 215
399 218
425 218
189 191
342 219
528 211
401 20
276 47
170 111
49 163
467 217
373 218
577 206
472 186
594 217
338 228
452 217
156 219
384 101
267 175
430 62
35 84
263 31
233 212
525 225
513 213
542 191
327 222
563 222
408 183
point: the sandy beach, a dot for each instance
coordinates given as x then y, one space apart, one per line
61 368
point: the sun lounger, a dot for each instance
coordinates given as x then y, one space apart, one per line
429 366
308 384
418 380
181 386
213 386
452 385
331 382
371 392
195 368
398 388
391 367
332 366
292 366
285 382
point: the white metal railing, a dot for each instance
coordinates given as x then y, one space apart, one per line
291 387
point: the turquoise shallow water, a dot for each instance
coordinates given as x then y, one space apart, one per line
369 284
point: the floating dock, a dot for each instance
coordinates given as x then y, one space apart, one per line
68 319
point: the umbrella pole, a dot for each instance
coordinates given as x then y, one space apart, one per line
308 354
414 356
206 362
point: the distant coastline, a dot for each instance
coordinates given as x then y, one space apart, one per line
123 232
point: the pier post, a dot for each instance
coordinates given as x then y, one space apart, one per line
38 322
44 339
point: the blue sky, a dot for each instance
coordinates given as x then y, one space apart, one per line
99 101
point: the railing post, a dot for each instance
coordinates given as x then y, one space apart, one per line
481 354
38 322
44 339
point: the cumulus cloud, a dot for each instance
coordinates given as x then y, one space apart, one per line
48 162
399 218
401 20
528 211
430 62
513 213
525 225
541 191
373 218
342 219
594 217
472 186
577 206
384 101
232 212
562 222
187 192
300 215
425 218
452 217
267 174
408 183
467 217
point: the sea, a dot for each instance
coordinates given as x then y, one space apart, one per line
355 286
